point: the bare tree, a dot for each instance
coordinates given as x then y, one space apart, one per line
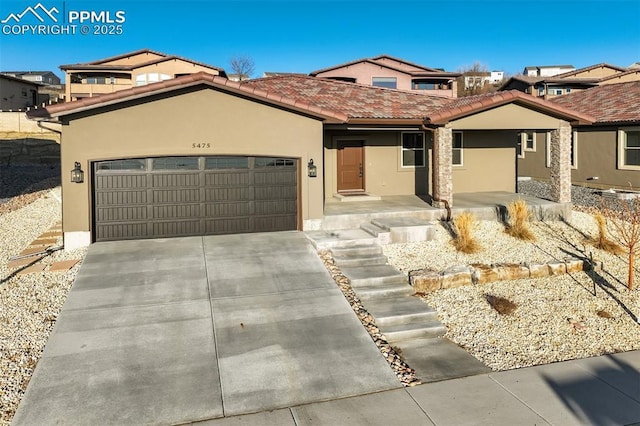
242 67
623 221
474 80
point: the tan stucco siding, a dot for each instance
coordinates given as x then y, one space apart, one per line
510 116
225 124
172 68
597 156
135 59
489 162
596 73
635 76
534 163
383 171
363 72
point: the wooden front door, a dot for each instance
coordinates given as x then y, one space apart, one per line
350 166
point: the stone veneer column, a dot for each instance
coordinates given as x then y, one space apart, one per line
442 166
561 163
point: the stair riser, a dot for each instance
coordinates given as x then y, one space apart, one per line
383 293
400 280
372 250
328 245
407 319
430 333
365 261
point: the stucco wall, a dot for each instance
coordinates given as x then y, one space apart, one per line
597 154
167 126
489 162
383 173
16 95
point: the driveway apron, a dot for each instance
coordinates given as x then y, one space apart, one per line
176 330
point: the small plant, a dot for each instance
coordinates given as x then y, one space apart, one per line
463 224
500 304
518 226
604 314
602 241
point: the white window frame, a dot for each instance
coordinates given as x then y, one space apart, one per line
403 149
622 147
574 150
453 148
395 79
524 135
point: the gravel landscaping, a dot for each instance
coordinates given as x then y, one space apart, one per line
556 319
29 304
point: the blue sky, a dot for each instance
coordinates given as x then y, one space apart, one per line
301 36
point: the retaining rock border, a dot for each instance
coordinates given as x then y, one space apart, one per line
427 281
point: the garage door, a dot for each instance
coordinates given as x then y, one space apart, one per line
181 196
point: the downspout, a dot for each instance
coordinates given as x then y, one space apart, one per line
445 202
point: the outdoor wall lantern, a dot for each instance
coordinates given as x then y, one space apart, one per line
77 175
313 170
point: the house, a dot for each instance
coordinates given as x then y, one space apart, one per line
481 78
605 154
393 73
200 154
546 70
41 77
569 82
128 70
17 94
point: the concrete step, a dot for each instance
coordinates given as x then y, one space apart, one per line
402 332
371 260
400 310
404 229
372 275
439 359
364 250
368 293
340 238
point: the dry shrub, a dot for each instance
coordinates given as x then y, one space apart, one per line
463 224
518 226
602 241
500 304
604 314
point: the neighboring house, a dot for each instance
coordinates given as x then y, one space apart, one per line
546 70
634 65
605 154
17 94
280 74
393 73
570 82
264 155
480 79
42 77
128 70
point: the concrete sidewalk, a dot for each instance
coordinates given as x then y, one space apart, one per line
602 390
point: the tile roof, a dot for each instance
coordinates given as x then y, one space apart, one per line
462 107
100 63
405 67
611 103
357 101
201 78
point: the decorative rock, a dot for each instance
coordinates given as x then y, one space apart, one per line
557 268
483 273
511 271
574 265
538 270
426 281
456 276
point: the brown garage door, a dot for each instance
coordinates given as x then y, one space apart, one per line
180 196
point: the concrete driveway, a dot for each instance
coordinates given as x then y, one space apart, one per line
177 330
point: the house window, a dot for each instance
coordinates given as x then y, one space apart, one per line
574 149
152 77
457 149
629 146
413 149
129 164
96 80
175 163
541 91
388 82
528 141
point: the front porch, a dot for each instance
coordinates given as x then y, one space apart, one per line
485 205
